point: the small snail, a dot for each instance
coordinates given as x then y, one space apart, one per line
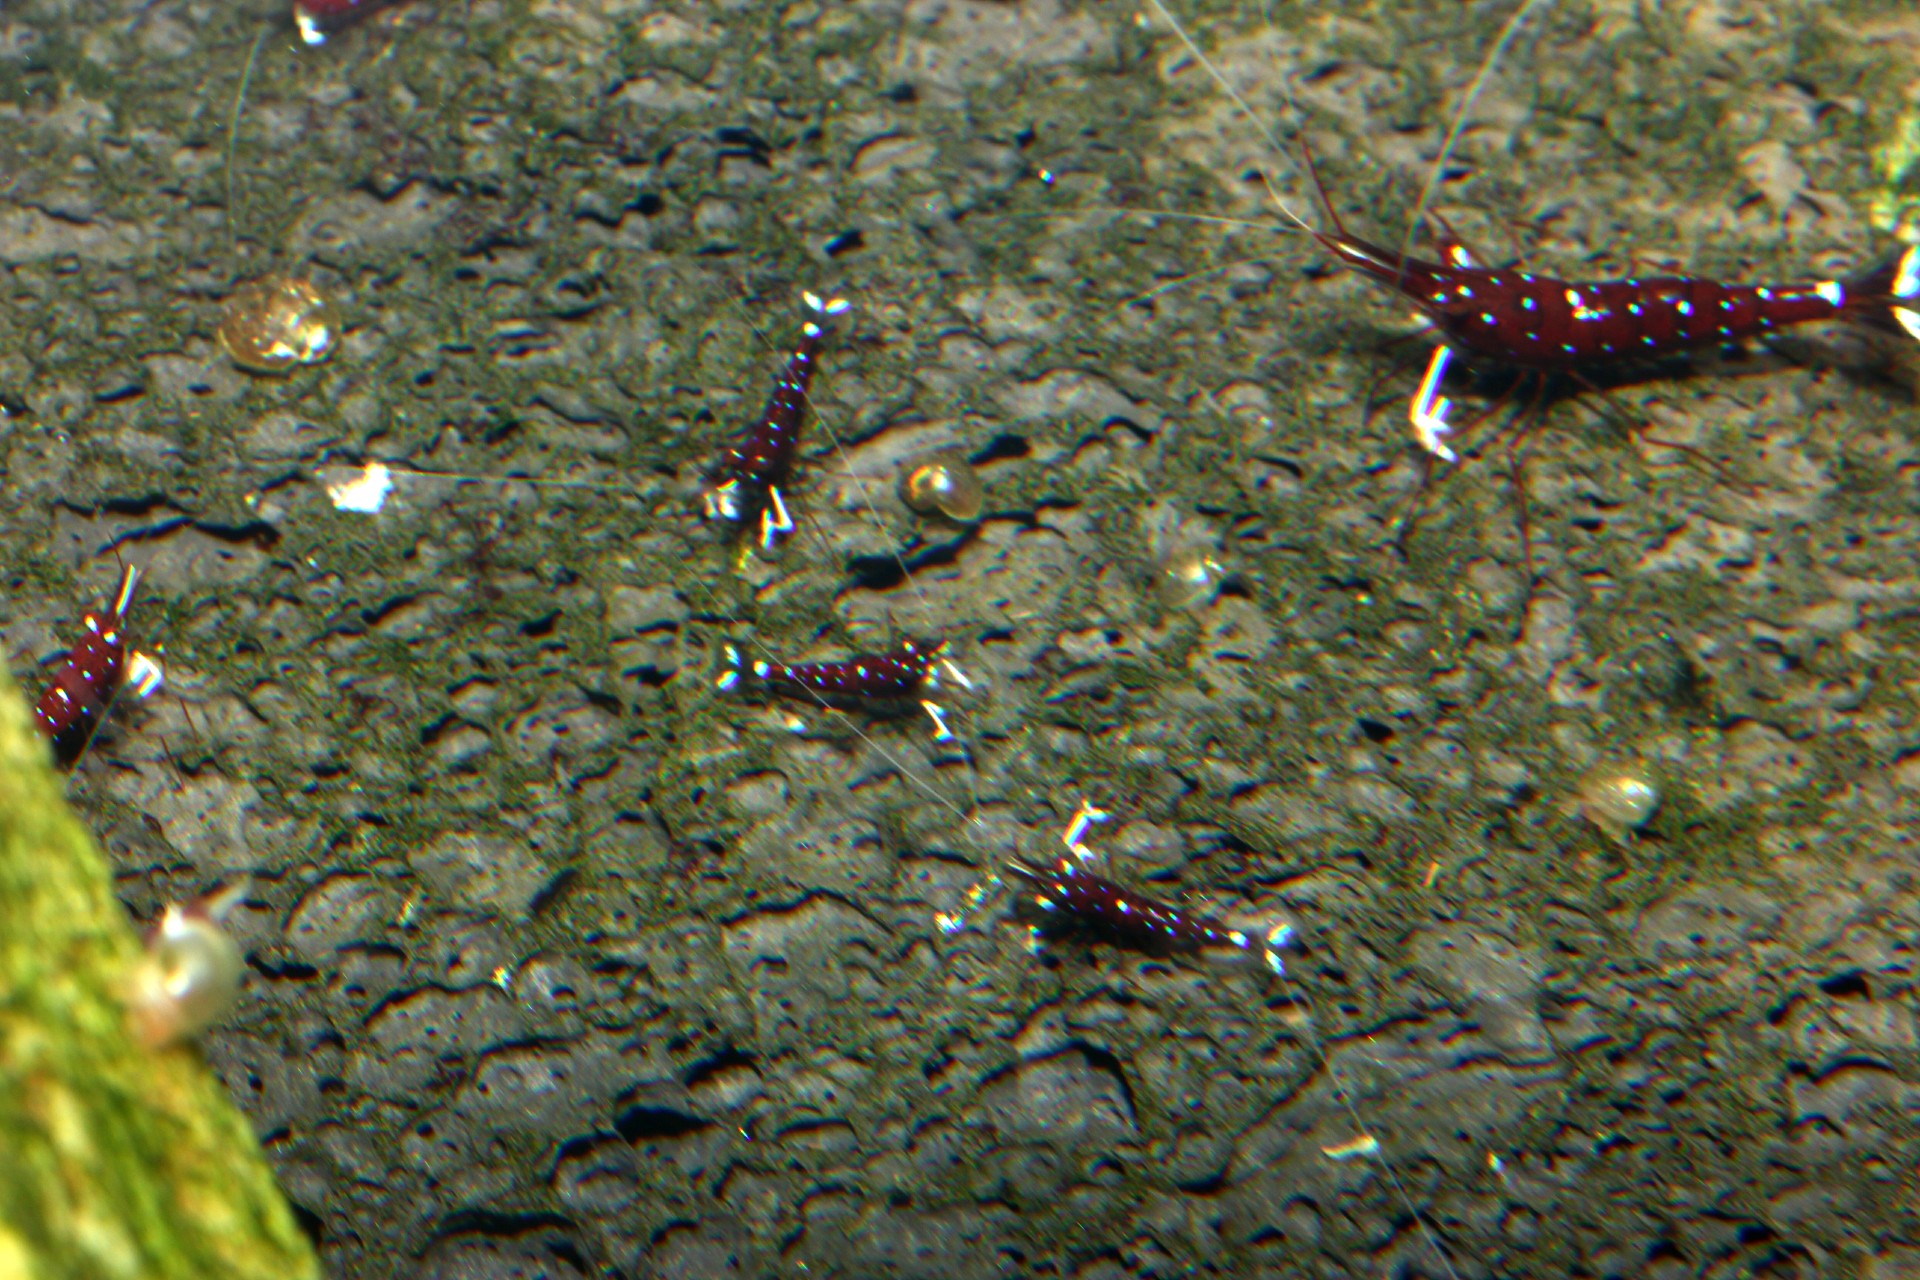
943 484
1187 576
1618 801
277 322
190 973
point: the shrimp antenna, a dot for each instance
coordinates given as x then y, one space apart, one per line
1245 107
1508 34
1193 277
1342 1090
233 133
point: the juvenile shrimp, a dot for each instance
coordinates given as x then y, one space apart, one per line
95 670
759 462
907 674
315 20
1078 898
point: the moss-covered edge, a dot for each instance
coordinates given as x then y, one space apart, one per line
118 1161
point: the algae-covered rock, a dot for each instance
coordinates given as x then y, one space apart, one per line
119 1161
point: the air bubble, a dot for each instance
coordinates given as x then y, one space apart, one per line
277 322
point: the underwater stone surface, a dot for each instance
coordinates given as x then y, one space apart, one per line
563 963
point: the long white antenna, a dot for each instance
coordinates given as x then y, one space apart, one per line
1508 34
1246 109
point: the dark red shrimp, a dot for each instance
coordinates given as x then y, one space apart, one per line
910 669
1586 330
315 18
754 466
1120 916
1068 892
1544 325
95 670
907 674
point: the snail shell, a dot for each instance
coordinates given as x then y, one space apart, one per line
1619 801
275 323
1187 576
189 976
943 484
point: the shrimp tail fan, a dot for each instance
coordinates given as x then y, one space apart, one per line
1886 296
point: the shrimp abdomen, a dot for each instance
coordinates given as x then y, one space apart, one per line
1542 323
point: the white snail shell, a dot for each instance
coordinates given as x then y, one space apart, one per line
187 979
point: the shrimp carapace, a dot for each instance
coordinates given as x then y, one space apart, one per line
755 466
95 669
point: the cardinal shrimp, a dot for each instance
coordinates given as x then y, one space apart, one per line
1534 338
